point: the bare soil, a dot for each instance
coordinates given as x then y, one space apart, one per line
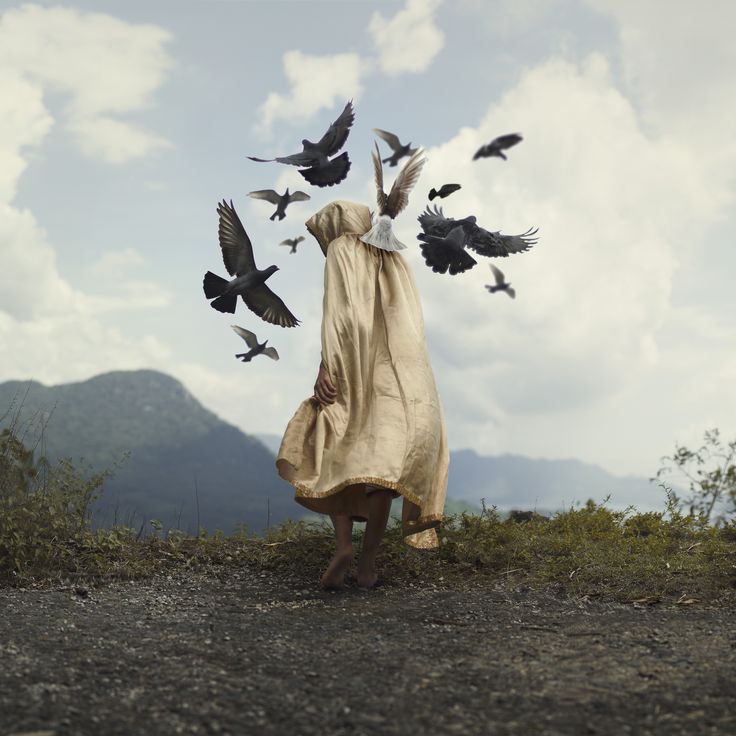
251 652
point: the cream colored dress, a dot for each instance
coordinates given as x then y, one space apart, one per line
386 426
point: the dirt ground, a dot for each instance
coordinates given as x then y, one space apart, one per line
250 652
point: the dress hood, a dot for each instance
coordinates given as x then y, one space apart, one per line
339 218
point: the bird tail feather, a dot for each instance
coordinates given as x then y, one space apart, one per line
441 260
213 285
226 303
325 176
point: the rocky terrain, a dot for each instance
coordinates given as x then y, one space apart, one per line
247 651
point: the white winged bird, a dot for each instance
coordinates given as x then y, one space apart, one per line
256 348
314 161
501 283
391 204
281 201
292 243
248 281
399 150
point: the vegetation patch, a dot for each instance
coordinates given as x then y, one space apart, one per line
593 551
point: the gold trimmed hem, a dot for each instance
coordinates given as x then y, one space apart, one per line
426 522
306 492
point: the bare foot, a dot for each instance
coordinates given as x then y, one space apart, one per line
334 575
367 575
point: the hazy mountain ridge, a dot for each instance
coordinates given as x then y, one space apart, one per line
182 456
519 482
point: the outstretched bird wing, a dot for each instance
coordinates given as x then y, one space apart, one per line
497 274
494 245
299 197
305 158
433 222
398 197
268 194
506 141
271 352
237 250
269 307
381 198
390 138
334 139
249 337
447 189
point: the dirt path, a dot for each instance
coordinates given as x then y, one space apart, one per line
250 654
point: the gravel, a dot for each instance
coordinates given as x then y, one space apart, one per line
245 651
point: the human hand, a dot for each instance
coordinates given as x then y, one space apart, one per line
324 390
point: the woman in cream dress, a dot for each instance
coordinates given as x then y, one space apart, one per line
374 428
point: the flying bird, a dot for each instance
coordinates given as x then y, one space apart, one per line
249 282
501 283
399 150
496 146
281 201
391 204
314 161
292 243
444 191
448 252
256 348
442 252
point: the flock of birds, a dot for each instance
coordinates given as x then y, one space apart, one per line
444 241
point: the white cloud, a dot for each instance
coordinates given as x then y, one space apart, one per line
69 347
595 292
112 262
317 83
24 122
410 40
407 42
104 65
114 141
679 60
510 16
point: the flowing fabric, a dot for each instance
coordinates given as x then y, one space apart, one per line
386 427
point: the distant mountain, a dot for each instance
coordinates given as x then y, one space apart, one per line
181 453
185 464
518 482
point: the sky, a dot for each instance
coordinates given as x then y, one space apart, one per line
124 123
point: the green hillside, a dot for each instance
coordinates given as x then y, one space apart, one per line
183 464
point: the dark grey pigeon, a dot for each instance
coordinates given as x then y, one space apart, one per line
314 161
292 243
281 201
256 348
399 150
248 281
501 283
444 191
443 255
496 146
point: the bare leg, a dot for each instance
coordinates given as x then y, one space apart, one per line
334 575
379 507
